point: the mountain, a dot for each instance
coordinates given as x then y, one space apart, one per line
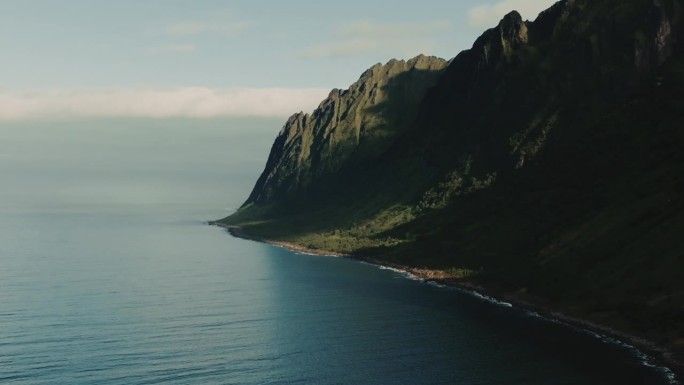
545 162
348 128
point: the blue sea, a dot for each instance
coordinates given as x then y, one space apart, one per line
109 274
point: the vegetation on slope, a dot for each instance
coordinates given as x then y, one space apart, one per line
546 160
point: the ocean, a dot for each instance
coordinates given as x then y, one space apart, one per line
109 274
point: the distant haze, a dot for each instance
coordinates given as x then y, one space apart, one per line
115 163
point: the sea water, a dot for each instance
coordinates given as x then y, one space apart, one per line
110 275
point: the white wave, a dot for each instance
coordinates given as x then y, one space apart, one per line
488 298
391 268
403 273
643 358
437 284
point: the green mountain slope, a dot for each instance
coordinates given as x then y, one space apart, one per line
349 128
546 161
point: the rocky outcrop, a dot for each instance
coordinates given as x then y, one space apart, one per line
349 126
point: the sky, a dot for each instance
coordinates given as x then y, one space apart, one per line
215 58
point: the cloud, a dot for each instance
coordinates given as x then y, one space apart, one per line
191 102
172 48
193 28
489 15
391 39
370 29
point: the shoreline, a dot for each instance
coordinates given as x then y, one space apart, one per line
653 354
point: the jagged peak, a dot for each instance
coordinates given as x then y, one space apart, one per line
512 20
424 61
420 61
381 72
510 34
513 28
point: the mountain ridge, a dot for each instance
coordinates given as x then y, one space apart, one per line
310 145
545 160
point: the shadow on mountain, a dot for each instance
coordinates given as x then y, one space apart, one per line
548 159
594 222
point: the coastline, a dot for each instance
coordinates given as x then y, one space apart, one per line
652 354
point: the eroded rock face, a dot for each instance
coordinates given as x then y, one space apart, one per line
359 122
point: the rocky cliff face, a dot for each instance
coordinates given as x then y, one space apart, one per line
547 159
348 127
491 109
498 104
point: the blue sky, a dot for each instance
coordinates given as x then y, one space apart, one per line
163 58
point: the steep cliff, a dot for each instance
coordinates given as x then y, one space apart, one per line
347 128
545 160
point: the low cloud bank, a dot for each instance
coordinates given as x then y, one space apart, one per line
190 102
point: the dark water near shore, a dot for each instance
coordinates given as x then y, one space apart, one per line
136 289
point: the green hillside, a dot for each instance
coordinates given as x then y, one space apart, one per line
547 161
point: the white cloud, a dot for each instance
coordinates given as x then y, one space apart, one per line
390 39
489 15
172 48
193 102
192 28
370 29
